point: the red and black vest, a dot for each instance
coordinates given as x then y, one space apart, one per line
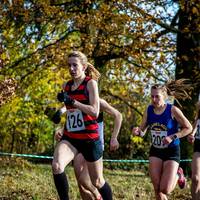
81 94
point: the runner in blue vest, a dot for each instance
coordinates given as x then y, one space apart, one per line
162 120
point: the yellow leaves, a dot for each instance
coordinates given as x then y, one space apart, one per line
195 11
136 139
4 56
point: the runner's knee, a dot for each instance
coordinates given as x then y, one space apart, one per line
165 190
98 182
57 168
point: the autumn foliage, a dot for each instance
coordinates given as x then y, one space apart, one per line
132 43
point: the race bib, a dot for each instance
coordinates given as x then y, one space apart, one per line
197 135
75 120
157 137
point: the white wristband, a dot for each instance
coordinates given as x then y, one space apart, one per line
142 133
63 110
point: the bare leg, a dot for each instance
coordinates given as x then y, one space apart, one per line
169 176
155 171
63 154
95 170
87 189
86 194
96 173
196 176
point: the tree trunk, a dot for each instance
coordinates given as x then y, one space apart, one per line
12 140
188 65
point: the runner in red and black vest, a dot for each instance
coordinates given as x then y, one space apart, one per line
86 126
81 98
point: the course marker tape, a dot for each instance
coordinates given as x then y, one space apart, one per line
105 160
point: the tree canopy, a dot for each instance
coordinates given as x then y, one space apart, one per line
132 43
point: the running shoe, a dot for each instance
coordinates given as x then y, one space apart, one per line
181 178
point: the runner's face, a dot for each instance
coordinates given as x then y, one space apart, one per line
157 98
76 68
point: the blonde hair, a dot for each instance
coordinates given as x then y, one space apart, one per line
179 89
90 70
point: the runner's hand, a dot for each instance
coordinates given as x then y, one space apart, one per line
136 131
58 134
64 97
191 138
114 144
167 140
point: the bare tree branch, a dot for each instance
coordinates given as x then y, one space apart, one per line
121 99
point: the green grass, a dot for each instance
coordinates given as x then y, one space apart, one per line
22 180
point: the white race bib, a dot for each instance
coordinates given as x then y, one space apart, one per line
157 137
197 135
75 120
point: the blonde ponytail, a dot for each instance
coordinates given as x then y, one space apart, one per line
92 72
179 89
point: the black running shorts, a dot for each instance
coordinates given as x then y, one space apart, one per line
170 153
91 149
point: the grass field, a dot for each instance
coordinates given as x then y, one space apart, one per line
22 180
